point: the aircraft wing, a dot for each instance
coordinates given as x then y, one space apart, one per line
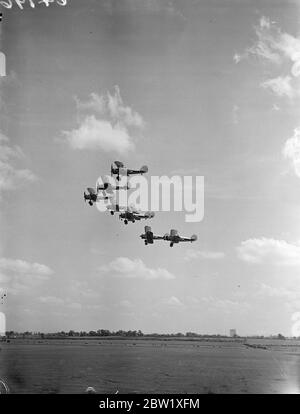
139 215
141 171
188 239
147 215
133 172
158 237
144 236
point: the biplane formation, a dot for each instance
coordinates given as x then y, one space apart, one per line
106 191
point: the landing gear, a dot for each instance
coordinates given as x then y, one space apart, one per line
90 203
112 213
171 244
125 221
146 243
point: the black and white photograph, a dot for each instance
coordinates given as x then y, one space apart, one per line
149 198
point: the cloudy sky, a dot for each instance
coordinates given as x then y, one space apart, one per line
209 88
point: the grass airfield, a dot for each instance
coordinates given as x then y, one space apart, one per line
146 365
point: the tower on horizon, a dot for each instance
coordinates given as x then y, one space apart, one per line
232 333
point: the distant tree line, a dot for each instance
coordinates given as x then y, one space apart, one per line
120 333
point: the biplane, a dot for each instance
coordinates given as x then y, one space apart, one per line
173 237
119 170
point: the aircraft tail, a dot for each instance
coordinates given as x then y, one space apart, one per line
193 238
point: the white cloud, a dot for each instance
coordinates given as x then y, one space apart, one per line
8 152
121 113
11 176
198 254
287 296
112 107
104 123
281 86
23 267
290 47
237 58
265 45
100 134
264 22
278 48
291 150
19 275
278 292
135 269
174 301
95 103
264 250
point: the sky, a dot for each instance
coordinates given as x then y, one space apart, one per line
207 88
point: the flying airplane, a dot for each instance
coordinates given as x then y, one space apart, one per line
129 213
108 187
120 169
115 208
173 237
107 190
93 196
3 296
132 214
